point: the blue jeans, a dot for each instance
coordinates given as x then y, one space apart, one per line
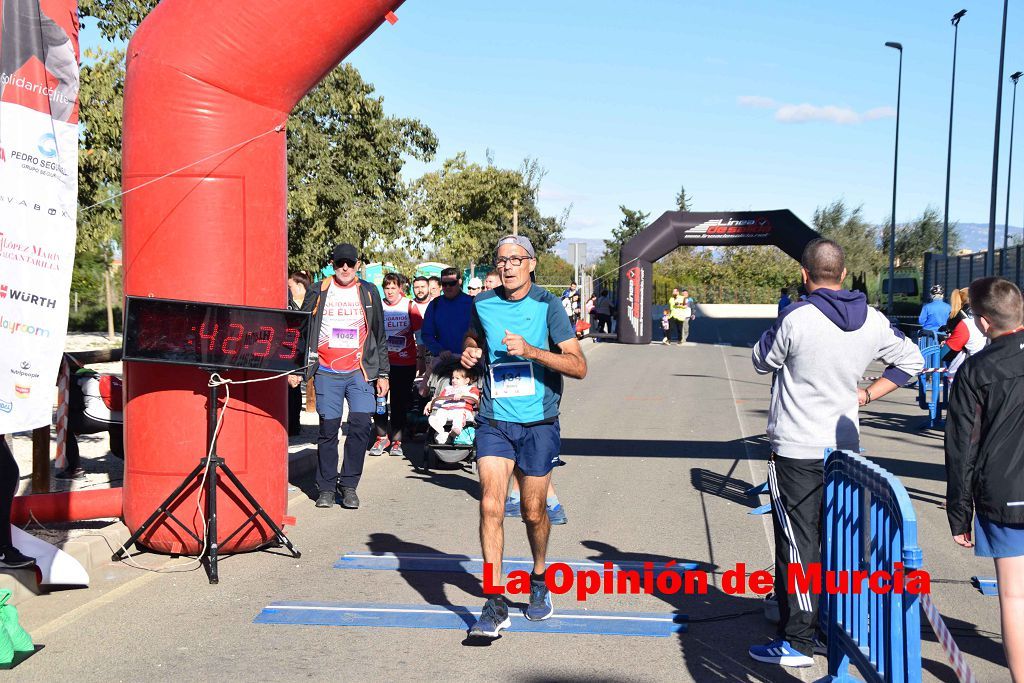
332 390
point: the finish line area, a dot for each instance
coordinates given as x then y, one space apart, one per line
662 445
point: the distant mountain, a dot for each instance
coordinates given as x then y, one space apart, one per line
595 247
974 236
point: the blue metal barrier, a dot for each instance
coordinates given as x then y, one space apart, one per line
931 386
869 525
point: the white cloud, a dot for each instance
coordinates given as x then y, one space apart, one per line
756 101
802 113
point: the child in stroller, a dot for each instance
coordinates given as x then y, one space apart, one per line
455 394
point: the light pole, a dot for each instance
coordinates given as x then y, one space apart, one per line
949 148
1009 172
990 255
895 161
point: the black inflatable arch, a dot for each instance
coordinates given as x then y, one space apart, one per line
683 228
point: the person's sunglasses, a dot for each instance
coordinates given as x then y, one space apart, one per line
344 263
449 283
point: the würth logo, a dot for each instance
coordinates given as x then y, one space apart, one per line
27 297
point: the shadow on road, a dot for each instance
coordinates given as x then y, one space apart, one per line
735 449
722 486
711 648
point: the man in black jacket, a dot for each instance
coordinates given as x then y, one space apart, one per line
985 450
349 357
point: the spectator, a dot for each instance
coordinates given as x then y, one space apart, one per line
95 405
966 338
352 353
10 557
301 297
935 313
492 280
433 287
681 313
784 300
474 286
421 293
570 290
401 321
603 312
447 317
984 450
817 350
666 325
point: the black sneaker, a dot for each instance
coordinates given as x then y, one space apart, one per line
493 618
77 474
325 500
349 499
12 558
540 607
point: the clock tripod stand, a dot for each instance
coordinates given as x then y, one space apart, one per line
207 474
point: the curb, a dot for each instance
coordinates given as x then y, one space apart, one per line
94 550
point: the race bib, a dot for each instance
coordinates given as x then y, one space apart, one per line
509 380
344 338
396 344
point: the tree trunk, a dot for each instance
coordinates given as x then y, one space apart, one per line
110 304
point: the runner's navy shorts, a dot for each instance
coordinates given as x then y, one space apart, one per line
997 540
533 449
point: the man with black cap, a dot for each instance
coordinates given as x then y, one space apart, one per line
521 336
351 356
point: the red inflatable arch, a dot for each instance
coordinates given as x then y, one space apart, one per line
204 77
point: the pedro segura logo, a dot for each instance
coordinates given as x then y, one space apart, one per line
669 579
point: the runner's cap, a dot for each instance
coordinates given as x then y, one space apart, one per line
522 241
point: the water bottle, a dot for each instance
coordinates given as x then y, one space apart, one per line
382 405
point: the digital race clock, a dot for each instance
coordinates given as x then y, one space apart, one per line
215 335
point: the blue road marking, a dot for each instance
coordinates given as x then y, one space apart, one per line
441 562
986 585
451 617
763 510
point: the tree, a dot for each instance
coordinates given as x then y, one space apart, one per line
116 19
554 272
856 236
101 96
345 158
683 200
463 209
921 235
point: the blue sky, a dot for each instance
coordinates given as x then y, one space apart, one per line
750 105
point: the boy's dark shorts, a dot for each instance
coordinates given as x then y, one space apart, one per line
533 449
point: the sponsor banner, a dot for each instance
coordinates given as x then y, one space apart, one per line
719 231
635 304
38 202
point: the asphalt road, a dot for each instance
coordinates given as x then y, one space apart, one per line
660 443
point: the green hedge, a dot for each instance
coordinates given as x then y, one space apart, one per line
92 319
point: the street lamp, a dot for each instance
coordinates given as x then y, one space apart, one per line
895 160
949 148
990 255
1009 172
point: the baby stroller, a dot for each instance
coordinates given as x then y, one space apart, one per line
436 455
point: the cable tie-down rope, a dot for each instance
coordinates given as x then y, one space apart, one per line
276 129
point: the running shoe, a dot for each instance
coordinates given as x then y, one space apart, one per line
540 607
512 508
556 514
396 449
379 446
780 652
12 558
493 618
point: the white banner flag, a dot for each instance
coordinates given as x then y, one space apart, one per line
38 199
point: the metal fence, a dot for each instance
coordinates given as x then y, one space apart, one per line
956 272
870 525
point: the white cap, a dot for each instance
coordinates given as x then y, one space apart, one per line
475 283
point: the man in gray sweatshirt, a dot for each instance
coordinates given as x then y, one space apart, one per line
818 349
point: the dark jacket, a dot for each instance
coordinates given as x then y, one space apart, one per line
445 323
984 444
374 361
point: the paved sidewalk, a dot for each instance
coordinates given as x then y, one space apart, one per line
660 443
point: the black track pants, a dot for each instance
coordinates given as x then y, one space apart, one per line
796 488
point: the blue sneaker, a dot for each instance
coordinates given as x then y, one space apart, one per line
512 508
540 607
780 652
493 618
557 514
